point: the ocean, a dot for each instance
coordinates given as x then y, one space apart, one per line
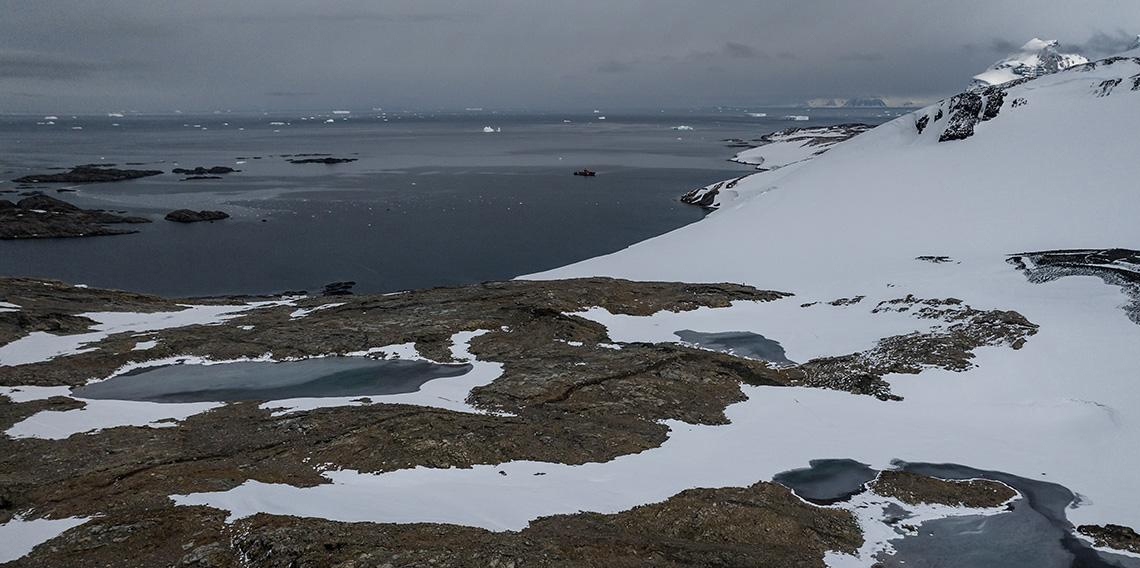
432 199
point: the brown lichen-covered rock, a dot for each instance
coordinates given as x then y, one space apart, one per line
1116 537
915 489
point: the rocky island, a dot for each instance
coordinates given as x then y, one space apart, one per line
88 173
44 217
191 216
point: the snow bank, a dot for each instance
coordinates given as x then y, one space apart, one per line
19 537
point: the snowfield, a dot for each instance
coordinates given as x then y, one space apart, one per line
1058 170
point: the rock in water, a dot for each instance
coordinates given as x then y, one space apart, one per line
41 217
201 171
191 216
88 174
329 161
338 289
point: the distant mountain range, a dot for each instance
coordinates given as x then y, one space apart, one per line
856 102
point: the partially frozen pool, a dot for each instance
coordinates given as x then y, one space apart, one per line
261 380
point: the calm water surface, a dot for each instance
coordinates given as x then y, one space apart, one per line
432 199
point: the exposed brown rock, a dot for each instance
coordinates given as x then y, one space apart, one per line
915 489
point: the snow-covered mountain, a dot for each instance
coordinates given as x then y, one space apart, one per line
1021 196
1037 57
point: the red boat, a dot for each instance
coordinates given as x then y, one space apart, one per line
586 173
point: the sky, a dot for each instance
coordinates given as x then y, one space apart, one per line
161 55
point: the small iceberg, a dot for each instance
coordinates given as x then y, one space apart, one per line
342 112
329 121
51 118
490 130
683 127
115 114
757 114
797 117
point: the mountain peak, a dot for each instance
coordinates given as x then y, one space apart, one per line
1037 57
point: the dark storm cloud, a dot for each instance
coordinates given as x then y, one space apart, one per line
263 54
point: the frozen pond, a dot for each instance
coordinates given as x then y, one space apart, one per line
258 380
739 343
1033 533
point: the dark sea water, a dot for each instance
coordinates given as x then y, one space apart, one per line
431 201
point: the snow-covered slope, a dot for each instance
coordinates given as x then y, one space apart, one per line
1037 57
1045 164
774 151
792 145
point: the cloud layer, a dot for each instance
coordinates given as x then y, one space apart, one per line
211 54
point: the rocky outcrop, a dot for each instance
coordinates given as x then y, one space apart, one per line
322 160
88 173
191 216
201 171
968 109
338 288
915 489
1116 266
1112 536
709 195
42 217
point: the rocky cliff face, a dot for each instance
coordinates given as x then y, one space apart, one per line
957 117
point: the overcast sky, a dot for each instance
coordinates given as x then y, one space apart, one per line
153 55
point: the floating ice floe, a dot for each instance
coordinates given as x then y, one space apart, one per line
797 117
683 127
